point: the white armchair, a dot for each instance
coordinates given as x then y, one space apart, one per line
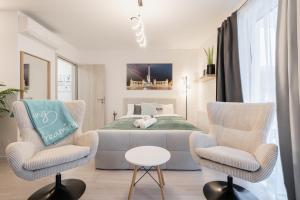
30 159
236 145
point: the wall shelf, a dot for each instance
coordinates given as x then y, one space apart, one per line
207 77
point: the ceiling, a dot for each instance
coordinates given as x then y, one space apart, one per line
105 25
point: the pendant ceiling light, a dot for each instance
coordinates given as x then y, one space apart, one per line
138 27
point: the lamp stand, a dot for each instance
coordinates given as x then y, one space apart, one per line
186 96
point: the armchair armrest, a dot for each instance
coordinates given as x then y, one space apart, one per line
89 139
266 155
17 153
200 140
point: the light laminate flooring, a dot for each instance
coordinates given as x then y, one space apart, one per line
114 184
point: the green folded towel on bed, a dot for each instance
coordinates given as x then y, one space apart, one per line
50 119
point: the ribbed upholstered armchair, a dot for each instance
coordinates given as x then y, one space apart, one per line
30 159
236 145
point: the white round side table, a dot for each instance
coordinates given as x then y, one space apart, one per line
147 158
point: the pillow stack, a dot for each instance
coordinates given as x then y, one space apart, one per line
150 109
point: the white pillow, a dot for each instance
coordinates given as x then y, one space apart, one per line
148 109
130 109
168 109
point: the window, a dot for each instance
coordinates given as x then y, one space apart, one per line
263 71
257 23
66 80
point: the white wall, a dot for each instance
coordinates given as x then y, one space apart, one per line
8 49
185 62
41 50
9 72
11 43
207 90
36 48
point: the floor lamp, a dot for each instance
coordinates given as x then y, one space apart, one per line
185 81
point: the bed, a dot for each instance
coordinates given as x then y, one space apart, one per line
170 132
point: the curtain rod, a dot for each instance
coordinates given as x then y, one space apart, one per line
242 5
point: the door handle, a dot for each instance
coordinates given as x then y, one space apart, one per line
102 100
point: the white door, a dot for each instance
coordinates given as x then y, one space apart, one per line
91 89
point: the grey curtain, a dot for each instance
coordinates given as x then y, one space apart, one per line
288 91
229 87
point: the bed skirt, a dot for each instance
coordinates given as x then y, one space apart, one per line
113 145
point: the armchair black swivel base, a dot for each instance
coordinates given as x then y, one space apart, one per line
68 189
220 190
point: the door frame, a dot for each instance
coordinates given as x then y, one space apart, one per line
22 85
94 66
58 56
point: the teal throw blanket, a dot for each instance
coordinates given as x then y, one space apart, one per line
50 119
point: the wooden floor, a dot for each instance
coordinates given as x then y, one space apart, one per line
114 185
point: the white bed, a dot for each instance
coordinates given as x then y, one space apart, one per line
113 143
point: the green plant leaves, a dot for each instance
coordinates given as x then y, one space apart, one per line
210 55
3 96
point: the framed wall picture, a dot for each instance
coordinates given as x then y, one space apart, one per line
149 76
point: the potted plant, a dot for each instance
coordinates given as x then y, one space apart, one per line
210 61
9 131
5 101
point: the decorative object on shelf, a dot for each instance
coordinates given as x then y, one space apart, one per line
210 61
115 115
138 27
204 72
149 76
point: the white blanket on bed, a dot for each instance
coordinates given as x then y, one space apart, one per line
144 123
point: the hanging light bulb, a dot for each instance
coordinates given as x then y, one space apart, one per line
137 26
140 33
144 43
140 39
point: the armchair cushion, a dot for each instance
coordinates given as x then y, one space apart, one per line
240 139
229 156
202 140
89 139
266 154
18 152
56 156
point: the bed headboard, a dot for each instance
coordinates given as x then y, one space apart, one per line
127 101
